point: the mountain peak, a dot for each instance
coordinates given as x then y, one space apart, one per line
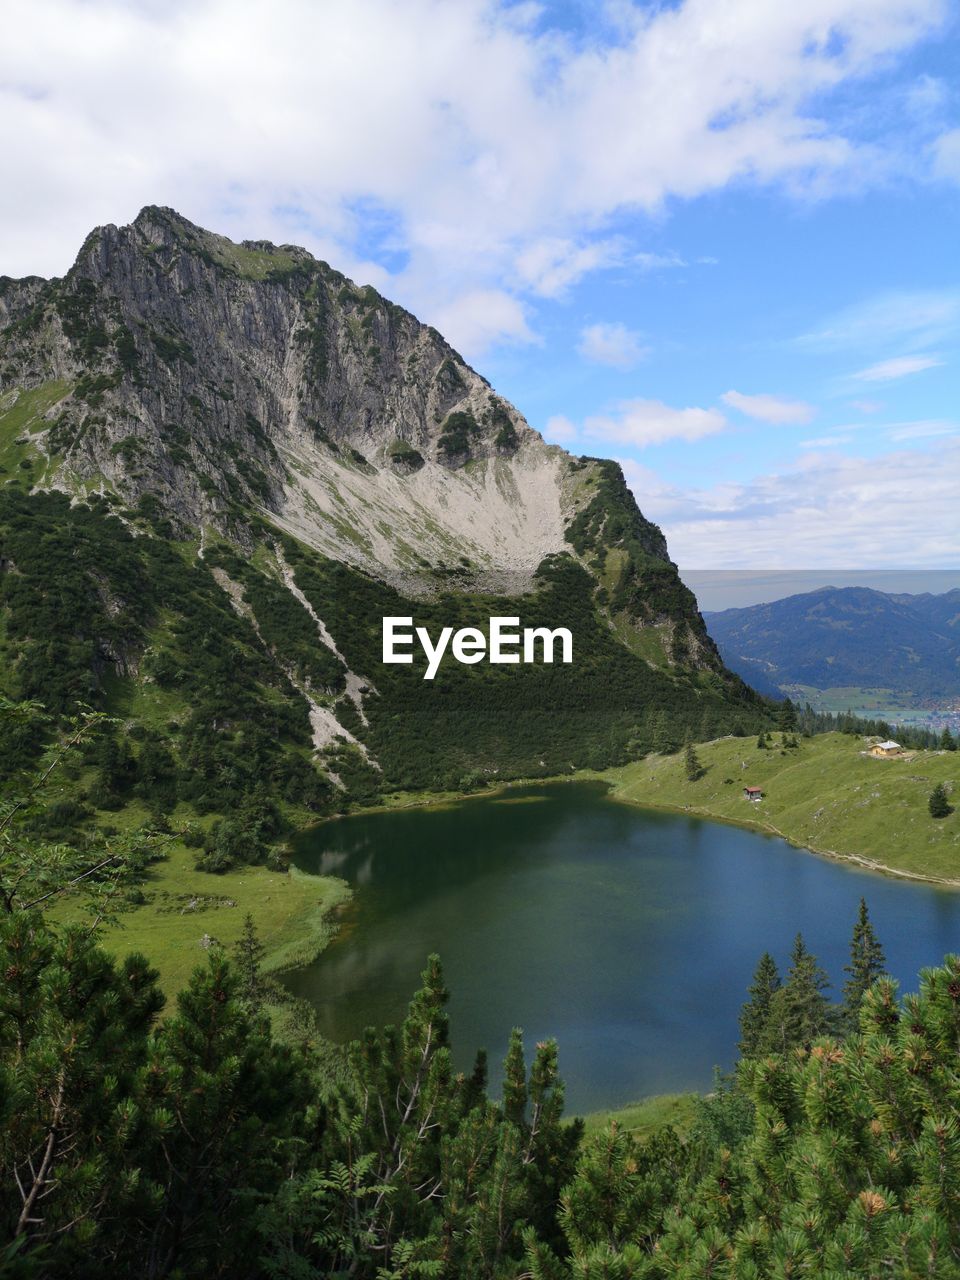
223 383
218 378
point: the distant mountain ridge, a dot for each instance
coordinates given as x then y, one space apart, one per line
845 636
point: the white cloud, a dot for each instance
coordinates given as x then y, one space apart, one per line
927 96
449 142
648 422
946 155
897 367
483 318
907 319
559 430
922 429
659 261
917 429
612 344
898 510
866 406
772 409
550 267
825 442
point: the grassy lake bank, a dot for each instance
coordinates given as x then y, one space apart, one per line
294 913
825 795
646 1116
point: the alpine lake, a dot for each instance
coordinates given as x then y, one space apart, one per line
629 935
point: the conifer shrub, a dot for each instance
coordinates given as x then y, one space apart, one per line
939 804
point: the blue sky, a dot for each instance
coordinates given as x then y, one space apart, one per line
715 239
846 310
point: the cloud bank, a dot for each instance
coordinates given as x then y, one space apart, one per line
612 344
827 509
443 151
897 367
648 422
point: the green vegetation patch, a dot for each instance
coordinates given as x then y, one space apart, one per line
498 419
171 348
255 261
23 411
184 908
643 1119
402 454
824 794
459 431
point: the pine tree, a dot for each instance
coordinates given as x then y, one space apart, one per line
691 763
475 1091
220 1103
248 952
515 1080
755 1014
394 1110
761 741
867 964
799 1011
614 1207
707 726
938 804
74 1028
947 741
787 717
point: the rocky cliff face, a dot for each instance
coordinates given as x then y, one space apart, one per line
224 378
172 370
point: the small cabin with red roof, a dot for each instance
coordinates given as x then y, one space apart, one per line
753 793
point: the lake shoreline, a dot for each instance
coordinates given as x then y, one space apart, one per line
767 828
824 796
401 802
617 780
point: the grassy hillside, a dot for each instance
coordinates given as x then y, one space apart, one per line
181 905
823 794
645 1117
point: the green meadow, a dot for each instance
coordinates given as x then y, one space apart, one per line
825 794
184 910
